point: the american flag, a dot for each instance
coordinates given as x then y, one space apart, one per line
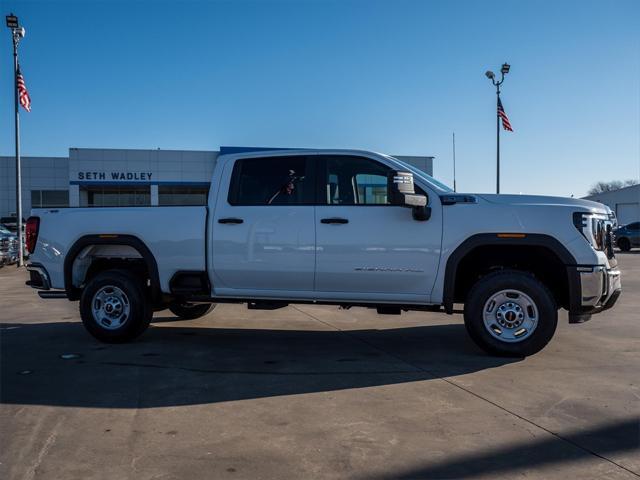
505 120
23 94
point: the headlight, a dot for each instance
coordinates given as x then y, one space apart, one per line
596 229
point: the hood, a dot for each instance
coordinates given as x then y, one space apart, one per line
541 200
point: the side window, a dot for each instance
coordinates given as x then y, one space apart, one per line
634 226
271 181
356 181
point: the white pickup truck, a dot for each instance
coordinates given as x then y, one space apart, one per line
339 227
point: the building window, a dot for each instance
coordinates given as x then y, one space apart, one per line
182 195
49 198
116 196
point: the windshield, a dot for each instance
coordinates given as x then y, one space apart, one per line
5 230
425 176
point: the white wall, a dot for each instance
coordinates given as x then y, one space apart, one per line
165 165
423 163
625 202
38 173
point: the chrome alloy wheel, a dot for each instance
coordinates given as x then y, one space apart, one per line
110 307
510 316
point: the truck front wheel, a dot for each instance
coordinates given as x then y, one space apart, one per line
510 313
114 308
190 311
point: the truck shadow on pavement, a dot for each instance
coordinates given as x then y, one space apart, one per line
59 364
612 439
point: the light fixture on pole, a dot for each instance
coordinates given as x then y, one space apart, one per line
17 34
12 21
492 76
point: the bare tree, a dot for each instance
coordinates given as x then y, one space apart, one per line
602 187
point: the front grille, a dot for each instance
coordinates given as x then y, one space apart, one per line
608 242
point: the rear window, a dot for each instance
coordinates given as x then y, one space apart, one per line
282 180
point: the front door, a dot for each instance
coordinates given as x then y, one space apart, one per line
263 229
367 249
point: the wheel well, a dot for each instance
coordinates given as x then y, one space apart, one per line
538 260
136 266
94 254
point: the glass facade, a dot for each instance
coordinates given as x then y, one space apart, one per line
182 195
115 196
49 198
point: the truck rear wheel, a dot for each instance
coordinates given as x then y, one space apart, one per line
190 311
114 308
510 313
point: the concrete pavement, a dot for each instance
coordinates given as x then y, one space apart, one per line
314 392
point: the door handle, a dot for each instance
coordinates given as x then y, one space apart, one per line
230 220
334 220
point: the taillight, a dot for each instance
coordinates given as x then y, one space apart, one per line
31 233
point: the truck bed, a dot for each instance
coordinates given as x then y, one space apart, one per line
175 235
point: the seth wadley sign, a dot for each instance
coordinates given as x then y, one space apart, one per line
139 176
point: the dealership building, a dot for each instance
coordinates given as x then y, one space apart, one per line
99 177
625 202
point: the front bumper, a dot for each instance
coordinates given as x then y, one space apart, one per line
596 289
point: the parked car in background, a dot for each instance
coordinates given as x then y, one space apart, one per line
8 246
627 236
11 223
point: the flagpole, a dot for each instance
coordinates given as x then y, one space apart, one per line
16 39
497 139
454 162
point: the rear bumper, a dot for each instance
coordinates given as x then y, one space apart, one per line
38 277
595 289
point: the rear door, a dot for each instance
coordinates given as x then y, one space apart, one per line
263 230
366 248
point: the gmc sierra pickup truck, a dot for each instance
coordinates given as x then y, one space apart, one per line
339 227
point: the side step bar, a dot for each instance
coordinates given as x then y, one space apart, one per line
266 305
48 294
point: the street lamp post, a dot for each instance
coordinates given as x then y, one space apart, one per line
492 76
17 32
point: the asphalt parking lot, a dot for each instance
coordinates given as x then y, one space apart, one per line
314 392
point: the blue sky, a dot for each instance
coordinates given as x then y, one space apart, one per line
392 76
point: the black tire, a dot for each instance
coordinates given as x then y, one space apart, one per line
624 244
489 286
140 311
191 311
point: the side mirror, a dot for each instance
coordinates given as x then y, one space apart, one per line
401 191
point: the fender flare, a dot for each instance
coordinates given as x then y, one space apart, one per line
492 239
110 239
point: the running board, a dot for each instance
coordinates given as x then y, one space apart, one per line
266 305
47 295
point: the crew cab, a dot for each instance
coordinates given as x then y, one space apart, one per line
339 227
